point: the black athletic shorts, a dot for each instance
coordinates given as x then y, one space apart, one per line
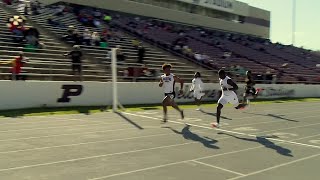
171 95
77 67
250 90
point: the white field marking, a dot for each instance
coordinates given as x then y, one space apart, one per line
154 112
94 142
39 122
216 167
185 161
298 112
267 122
69 134
284 135
250 135
277 166
57 127
147 112
62 125
56 117
62 116
245 129
221 123
315 141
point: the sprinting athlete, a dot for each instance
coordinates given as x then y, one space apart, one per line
168 81
249 88
228 95
197 87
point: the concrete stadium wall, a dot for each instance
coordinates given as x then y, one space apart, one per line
177 16
31 94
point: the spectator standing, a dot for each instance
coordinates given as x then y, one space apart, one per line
17 65
76 56
86 37
95 39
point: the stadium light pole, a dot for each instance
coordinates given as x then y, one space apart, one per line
294 8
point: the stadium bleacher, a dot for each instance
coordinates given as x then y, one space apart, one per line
290 64
153 60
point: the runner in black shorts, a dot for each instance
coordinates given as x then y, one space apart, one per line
249 88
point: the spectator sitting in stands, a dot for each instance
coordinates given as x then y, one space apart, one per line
59 10
32 35
95 39
69 34
226 55
205 58
186 50
135 43
146 72
198 57
76 37
17 32
76 56
55 22
97 14
96 23
106 35
86 37
107 18
203 34
177 48
7 2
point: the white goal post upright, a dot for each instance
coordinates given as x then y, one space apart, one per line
115 102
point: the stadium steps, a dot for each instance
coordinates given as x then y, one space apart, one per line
41 59
153 57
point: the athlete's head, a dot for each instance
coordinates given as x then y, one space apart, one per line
222 74
197 75
248 73
166 68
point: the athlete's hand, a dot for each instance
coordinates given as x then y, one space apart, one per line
225 89
160 84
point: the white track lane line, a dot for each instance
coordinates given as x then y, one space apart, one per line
267 122
93 157
244 134
277 166
185 161
269 110
94 142
216 167
60 127
68 134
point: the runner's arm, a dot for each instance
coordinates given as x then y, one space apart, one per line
233 84
177 79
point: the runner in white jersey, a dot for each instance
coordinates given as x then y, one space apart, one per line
197 88
168 81
228 95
